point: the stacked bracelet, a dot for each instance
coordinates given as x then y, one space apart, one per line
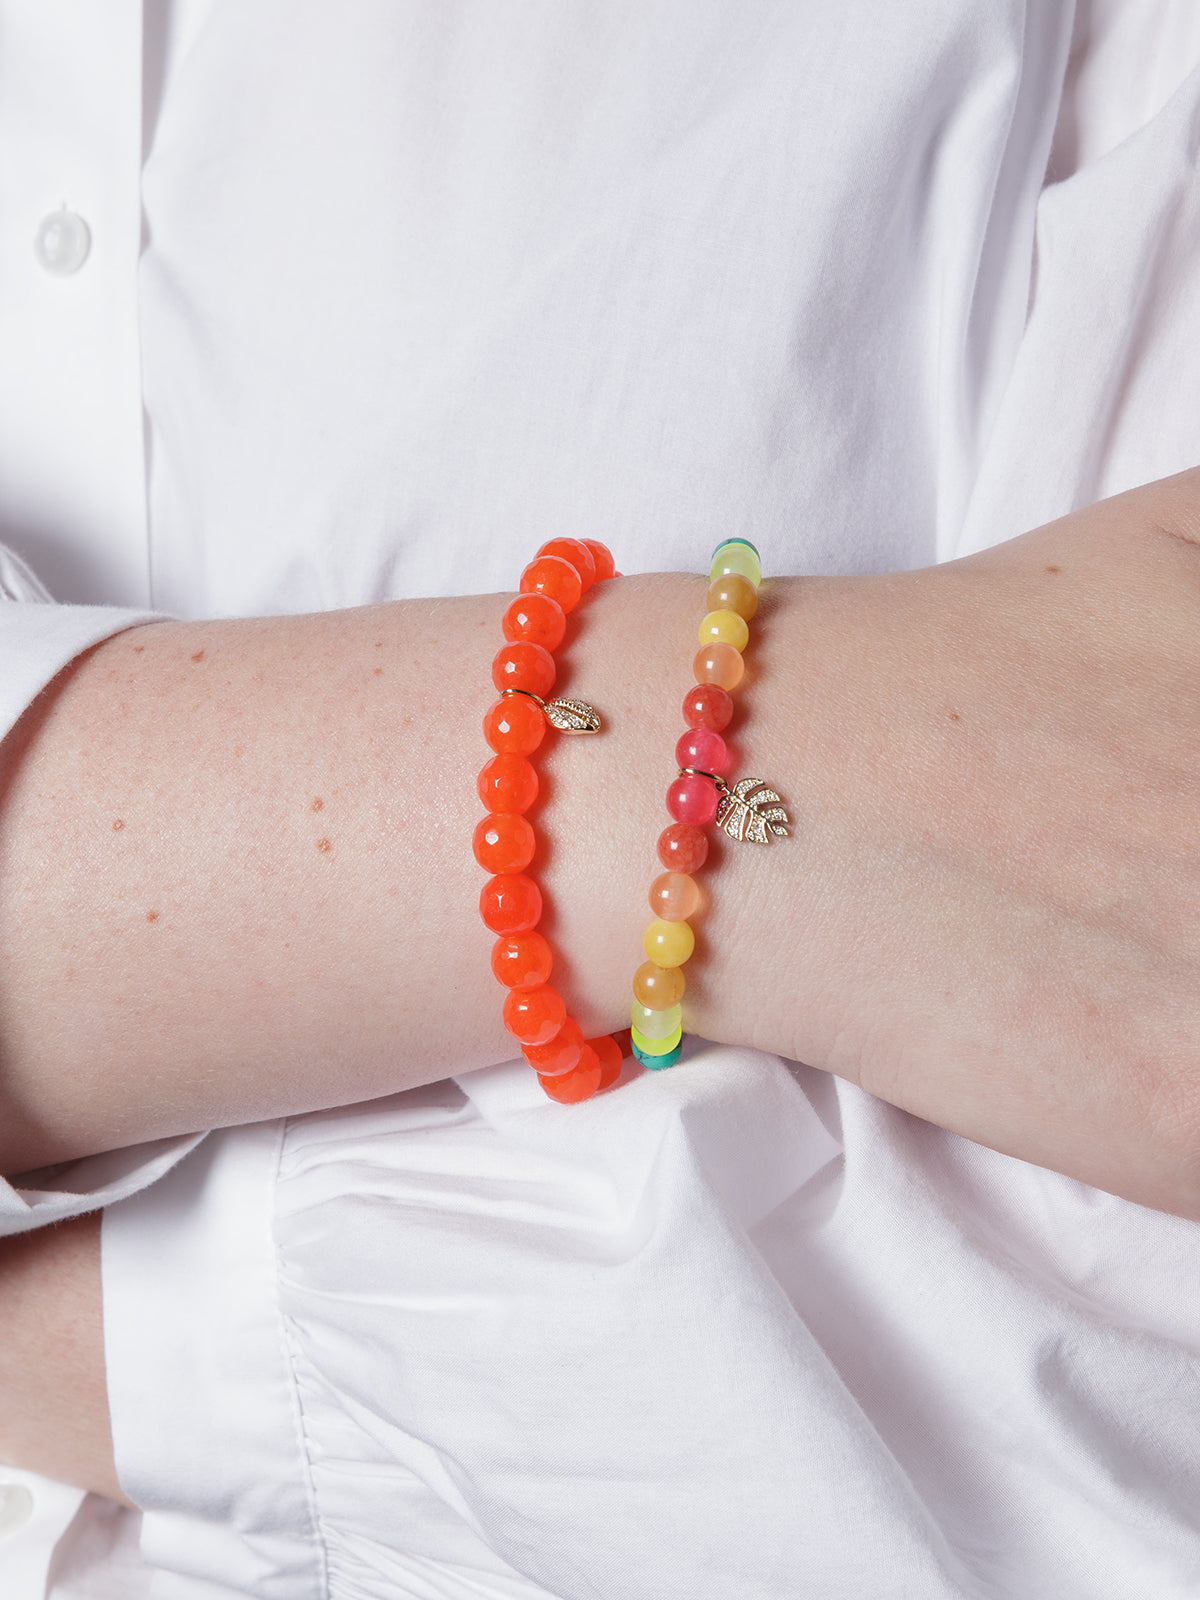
699 795
569 1067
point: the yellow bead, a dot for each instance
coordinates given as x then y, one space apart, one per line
658 987
656 1024
668 944
736 557
725 627
656 1047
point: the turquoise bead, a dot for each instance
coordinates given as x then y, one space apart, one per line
656 1063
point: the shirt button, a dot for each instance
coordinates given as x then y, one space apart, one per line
16 1507
62 242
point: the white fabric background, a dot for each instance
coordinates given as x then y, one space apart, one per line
411 288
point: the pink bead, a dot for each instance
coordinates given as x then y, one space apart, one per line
701 747
692 798
707 705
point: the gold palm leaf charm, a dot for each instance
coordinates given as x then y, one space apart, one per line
751 812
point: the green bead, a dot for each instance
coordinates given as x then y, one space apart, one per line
657 1047
657 1063
655 1024
736 539
739 556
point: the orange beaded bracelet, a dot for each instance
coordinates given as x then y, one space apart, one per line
569 1067
749 811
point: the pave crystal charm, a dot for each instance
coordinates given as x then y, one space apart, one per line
572 716
752 817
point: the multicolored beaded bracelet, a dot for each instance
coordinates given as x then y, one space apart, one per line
751 811
569 1067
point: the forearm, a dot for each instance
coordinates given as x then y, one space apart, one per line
235 868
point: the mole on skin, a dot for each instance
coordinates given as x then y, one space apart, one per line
324 846
152 916
118 825
199 656
317 804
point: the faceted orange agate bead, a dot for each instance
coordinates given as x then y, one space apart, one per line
522 665
535 618
504 842
514 726
559 1054
578 554
658 988
720 664
605 566
508 783
580 1083
534 1015
510 903
608 1053
522 960
553 576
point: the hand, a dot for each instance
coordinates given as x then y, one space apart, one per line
992 902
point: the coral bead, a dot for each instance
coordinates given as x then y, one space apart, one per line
733 593
514 726
608 1053
655 1024
736 555
535 618
720 664
654 1047
510 903
580 1083
674 896
668 944
534 1015
602 555
522 960
657 1063
701 747
561 1054
725 627
707 706
553 576
522 665
508 783
578 554
683 847
658 988
692 798
504 842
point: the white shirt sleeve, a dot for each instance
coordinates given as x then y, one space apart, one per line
37 640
